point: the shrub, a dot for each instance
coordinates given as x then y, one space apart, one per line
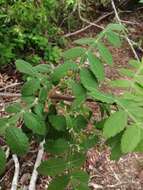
54 108
29 30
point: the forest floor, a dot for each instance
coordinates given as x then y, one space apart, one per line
127 173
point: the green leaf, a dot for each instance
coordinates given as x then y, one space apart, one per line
121 83
52 167
116 152
30 87
130 139
76 160
115 144
90 142
58 146
74 53
17 140
115 124
97 95
69 122
100 124
42 68
39 110
139 147
87 79
58 122
114 39
115 27
35 123
79 178
96 66
62 70
134 63
105 53
80 123
43 94
85 41
3 15
28 99
14 108
2 161
126 72
25 67
82 186
14 119
3 125
60 183
79 93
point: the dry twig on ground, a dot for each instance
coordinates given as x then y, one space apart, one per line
34 176
16 172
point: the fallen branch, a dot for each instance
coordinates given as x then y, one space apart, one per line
34 176
16 172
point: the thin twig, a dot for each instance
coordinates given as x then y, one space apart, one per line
96 186
130 22
10 86
88 26
16 172
70 14
7 152
114 173
34 176
8 94
55 97
85 20
120 22
137 45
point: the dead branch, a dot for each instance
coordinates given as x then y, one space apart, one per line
16 172
56 97
34 176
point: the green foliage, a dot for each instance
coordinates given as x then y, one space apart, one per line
17 140
53 108
115 124
96 66
130 139
59 182
29 30
34 123
2 161
52 167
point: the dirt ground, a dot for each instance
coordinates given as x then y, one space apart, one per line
127 173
